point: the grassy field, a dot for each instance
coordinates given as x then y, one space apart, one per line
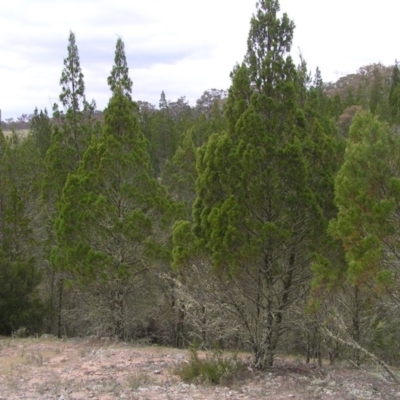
20 132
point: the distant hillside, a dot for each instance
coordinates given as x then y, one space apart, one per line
361 82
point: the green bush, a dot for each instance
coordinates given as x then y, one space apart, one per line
20 306
215 368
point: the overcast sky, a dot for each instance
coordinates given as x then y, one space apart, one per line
180 46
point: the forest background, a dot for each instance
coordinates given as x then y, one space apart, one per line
263 218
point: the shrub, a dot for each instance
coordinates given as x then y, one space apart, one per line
215 368
20 305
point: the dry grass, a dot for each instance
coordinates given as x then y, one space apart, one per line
22 133
106 370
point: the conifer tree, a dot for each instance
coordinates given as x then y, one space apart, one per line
180 173
77 112
41 130
119 77
19 251
73 127
72 132
163 136
376 92
256 212
112 214
394 96
367 196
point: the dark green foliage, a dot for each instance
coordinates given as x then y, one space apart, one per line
120 72
20 305
163 136
376 95
20 173
111 202
73 129
265 185
268 44
367 197
41 130
113 216
180 173
394 96
19 275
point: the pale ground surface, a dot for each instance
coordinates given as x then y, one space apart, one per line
20 132
78 369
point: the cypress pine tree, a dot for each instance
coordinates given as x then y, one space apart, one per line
41 130
113 214
180 174
75 118
394 96
163 136
72 132
367 196
73 125
119 77
256 212
19 251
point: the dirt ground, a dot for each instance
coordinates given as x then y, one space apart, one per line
78 369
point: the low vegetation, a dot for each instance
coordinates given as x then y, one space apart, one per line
215 368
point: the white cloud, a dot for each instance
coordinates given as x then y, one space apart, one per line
181 46
343 35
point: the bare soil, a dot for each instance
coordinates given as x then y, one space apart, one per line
78 369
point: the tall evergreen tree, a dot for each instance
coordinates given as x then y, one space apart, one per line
112 213
41 130
119 77
163 136
376 92
19 251
72 132
180 173
367 196
77 112
73 125
256 212
394 96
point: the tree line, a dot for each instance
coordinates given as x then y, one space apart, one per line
264 218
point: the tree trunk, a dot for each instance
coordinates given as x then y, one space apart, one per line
356 325
60 299
119 311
